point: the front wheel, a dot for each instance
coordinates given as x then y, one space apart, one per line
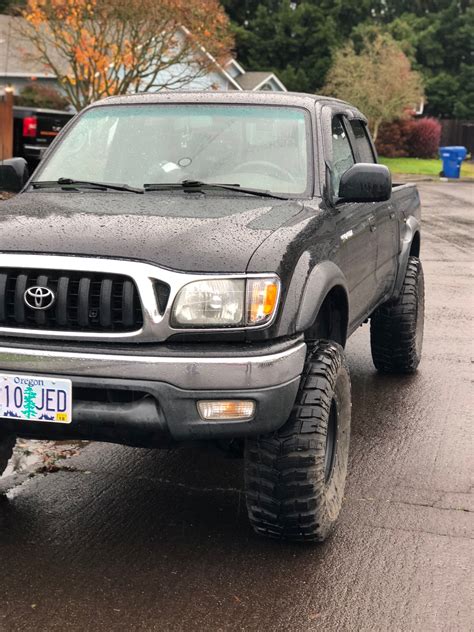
396 327
7 443
295 476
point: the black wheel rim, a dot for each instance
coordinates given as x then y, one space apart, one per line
331 440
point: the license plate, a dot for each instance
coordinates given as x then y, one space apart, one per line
35 398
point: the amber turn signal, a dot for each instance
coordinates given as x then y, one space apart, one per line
262 299
226 410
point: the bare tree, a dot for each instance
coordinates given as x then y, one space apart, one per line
99 48
379 81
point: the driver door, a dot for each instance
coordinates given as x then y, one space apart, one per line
355 229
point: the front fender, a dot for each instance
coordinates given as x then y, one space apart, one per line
306 294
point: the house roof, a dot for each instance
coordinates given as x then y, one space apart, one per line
16 53
255 80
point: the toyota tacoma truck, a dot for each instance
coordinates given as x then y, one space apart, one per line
188 267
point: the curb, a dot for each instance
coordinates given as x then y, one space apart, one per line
406 177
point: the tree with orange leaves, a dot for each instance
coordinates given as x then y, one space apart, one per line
100 48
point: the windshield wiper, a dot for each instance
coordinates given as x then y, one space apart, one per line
70 183
196 186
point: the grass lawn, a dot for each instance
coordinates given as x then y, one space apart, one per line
422 166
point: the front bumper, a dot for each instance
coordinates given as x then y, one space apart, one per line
148 399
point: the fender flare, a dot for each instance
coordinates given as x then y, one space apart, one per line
322 279
412 227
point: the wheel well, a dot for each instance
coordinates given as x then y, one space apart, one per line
415 246
331 321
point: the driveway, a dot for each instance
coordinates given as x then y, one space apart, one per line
116 538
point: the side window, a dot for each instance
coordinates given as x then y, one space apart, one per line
362 142
342 157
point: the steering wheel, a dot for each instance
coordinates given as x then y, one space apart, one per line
263 163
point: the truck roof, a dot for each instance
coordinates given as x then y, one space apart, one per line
247 97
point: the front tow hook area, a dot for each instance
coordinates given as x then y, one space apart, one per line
144 414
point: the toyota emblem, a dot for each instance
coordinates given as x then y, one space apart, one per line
39 297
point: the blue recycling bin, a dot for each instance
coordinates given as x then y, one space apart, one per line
452 158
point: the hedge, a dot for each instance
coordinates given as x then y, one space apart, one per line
414 138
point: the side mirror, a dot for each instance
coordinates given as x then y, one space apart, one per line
365 182
13 174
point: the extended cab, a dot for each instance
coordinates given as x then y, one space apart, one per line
189 267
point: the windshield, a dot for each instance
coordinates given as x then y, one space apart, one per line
257 147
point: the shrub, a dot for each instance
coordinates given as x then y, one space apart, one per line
37 96
424 138
414 138
392 139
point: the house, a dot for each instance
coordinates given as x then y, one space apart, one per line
254 80
18 68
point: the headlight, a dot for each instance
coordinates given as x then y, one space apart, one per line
226 303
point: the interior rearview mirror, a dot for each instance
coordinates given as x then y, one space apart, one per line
13 174
365 182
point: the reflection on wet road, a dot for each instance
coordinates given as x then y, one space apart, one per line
123 539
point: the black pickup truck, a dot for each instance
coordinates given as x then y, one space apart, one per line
188 267
34 129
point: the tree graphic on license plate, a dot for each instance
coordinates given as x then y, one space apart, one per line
29 409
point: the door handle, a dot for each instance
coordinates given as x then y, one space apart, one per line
392 215
372 224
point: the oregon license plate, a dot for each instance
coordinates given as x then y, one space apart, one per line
35 398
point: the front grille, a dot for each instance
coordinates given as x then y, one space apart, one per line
84 302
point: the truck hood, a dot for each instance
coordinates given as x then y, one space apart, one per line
182 231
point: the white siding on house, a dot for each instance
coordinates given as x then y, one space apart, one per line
213 80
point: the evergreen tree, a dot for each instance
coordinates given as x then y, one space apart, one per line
11 6
442 45
295 41
299 39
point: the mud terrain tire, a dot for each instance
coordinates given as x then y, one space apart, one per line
396 327
295 476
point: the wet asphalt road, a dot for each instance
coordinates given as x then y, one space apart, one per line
140 540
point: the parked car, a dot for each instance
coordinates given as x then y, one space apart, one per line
189 267
34 129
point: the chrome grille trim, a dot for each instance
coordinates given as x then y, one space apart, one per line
81 301
156 326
